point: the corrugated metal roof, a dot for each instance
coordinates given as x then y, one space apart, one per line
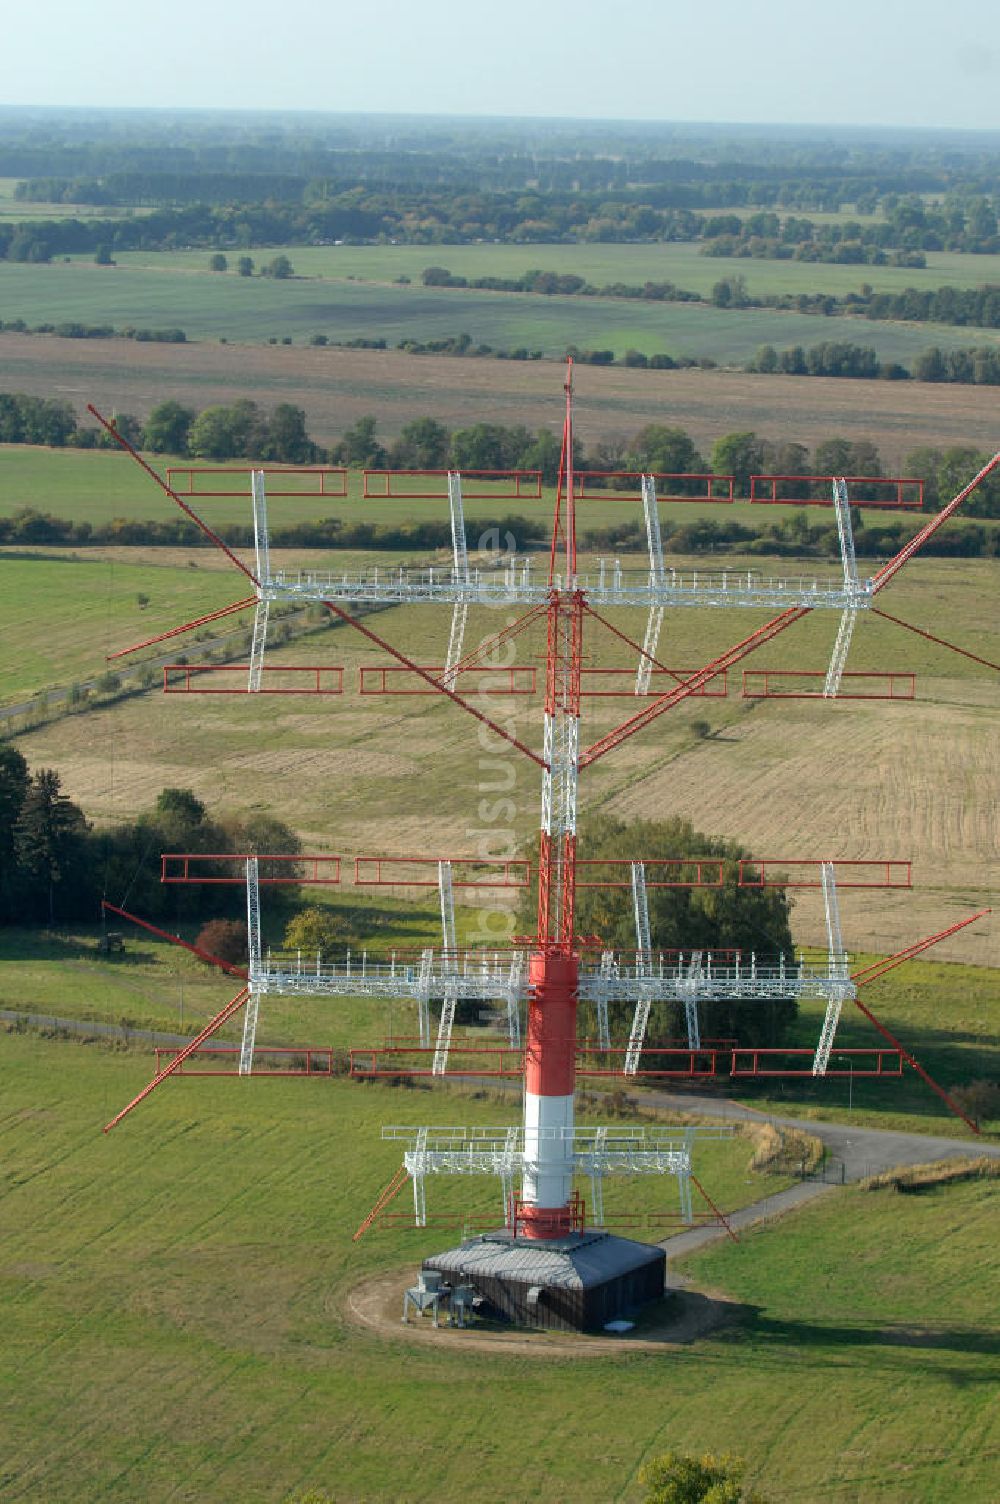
571 1265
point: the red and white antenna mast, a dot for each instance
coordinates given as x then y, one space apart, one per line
550 1150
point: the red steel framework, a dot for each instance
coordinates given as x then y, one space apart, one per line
376 679
292 1060
548 1207
659 1063
905 494
773 872
626 485
422 872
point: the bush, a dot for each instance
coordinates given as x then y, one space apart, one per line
225 938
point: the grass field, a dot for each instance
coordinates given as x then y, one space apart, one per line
677 262
173 1308
240 309
335 387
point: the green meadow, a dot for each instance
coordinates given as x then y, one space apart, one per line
175 1306
209 306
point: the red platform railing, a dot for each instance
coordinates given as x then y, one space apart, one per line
765 684
661 872
898 493
779 872
660 681
473 872
312 1060
870 1062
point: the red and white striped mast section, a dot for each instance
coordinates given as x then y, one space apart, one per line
550 1056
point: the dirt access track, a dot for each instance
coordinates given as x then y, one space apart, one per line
335 387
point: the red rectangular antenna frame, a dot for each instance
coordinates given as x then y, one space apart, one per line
404 872
905 494
758 684
775 872
660 681
376 678
317 481
477 485
600 485
679 871
189 861
189 672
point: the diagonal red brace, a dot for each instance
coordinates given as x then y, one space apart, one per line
203 955
352 621
189 626
888 963
130 449
941 642
233 1006
720 1215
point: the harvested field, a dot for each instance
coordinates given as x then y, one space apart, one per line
335 387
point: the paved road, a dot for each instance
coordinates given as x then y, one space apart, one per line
861 1151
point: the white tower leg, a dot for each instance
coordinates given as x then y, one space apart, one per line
456 640
838 658
450 965
837 969
643 967
253 953
262 553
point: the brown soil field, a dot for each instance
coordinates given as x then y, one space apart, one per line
335 387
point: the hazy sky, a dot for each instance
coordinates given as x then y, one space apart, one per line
885 62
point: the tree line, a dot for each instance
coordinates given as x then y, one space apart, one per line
242 430
978 365
359 215
977 307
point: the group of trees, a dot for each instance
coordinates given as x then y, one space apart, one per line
55 868
979 366
729 917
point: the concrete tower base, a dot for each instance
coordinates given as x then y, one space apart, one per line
575 1283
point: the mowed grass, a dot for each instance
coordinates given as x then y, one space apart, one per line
876 1312
59 618
174 1315
253 310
